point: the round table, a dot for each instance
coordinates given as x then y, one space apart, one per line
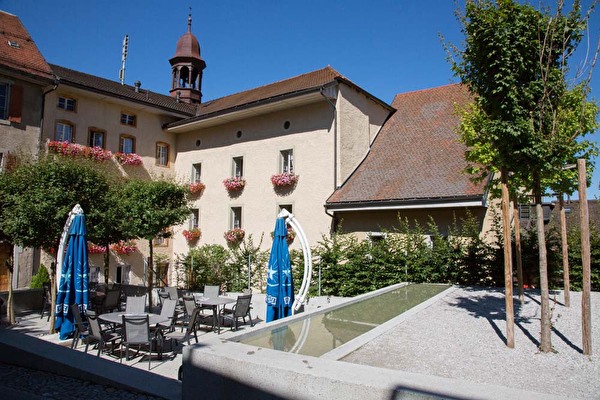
117 317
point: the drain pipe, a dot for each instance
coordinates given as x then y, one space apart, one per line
55 84
335 149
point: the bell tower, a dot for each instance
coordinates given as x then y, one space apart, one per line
186 68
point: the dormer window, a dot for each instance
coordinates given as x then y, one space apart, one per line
14 44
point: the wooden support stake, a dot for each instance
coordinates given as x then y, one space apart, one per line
565 251
584 222
508 279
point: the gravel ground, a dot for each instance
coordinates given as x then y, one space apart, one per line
462 336
22 383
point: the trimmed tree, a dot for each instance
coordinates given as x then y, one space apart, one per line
525 119
37 198
149 207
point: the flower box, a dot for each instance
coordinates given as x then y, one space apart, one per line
234 183
128 158
76 150
284 179
235 235
123 247
95 249
291 235
196 187
192 234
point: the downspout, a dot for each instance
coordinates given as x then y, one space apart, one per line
41 134
321 91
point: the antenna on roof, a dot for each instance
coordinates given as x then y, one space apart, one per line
123 59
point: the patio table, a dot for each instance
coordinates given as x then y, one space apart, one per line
214 303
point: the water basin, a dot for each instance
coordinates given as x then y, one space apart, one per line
322 332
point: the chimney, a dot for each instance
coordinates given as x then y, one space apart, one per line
137 85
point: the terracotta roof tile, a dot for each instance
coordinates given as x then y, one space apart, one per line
24 56
113 88
417 155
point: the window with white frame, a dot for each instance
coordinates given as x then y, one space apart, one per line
127 144
97 138
238 167
67 103
286 161
94 274
235 219
4 97
196 173
162 154
64 132
128 119
194 219
282 207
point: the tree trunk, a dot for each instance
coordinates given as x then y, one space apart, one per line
584 220
518 254
565 251
150 274
106 263
10 309
52 296
545 342
508 280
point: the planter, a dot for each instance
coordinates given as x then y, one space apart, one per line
234 236
192 234
197 187
284 180
128 158
234 183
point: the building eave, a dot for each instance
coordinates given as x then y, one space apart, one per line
260 107
408 204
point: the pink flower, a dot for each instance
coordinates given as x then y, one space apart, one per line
192 234
284 179
234 235
197 187
128 158
234 183
124 247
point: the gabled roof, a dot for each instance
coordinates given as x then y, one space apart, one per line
126 92
18 50
288 88
416 158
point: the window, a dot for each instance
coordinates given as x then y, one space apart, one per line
196 173
162 154
235 218
162 270
64 132
286 161
4 96
162 238
195 218
1 162
128 119
96 138
287 207
127 144
67 103
123 274
238 167
94 274
11 99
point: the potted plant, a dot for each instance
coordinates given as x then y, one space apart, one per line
234 235
234 183
124 247
196 187
192 234
128 158
285 179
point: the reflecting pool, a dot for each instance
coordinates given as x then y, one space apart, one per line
320 333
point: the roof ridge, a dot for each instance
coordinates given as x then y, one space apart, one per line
327 68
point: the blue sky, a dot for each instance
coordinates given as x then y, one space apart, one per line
385 46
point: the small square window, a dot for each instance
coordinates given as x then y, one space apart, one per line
286 161
196 173
128 119
162 154
235 218
127 144
96 138
4 97
238 167
67 103
64 132
194 222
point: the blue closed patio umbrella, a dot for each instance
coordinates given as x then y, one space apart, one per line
280 286
74 281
